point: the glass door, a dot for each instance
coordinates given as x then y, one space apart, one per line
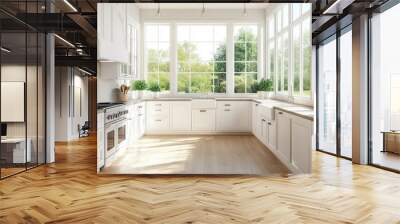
346 93
326 101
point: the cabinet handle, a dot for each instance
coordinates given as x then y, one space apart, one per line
227 105
269 123
140 107
203 111
256 104
158 110
263 120
280 112
158 120
227 110
140 115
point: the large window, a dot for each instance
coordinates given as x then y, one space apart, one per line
201 58
385 89
157 54
245 42
289 50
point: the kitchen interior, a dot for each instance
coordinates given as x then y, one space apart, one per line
204 88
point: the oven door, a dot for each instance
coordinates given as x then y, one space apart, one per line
122 134
111 142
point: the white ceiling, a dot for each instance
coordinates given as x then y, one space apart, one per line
207 5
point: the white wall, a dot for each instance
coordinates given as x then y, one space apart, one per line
69 82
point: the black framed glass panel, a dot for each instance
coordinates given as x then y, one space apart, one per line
385 90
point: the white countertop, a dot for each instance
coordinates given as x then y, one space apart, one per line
296 109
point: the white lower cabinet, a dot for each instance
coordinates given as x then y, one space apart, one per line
301 134
181 116
203 119
256 125
157 116
139 120
233 116
283 121
271 134
294 141
100 141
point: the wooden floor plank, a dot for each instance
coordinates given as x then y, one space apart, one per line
70 191
196 154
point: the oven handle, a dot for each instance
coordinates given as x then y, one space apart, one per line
115 122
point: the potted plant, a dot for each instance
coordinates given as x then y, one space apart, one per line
265 88
139 86
123 93
155 88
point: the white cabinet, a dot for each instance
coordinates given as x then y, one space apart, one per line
139 120
157 116
256 125
294 141
263 130
301 134
203 119
181 117
233 116
112 43
100 141
283 122
271 134
114 70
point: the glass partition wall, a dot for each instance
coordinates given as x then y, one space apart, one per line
334 104
385 90
22 77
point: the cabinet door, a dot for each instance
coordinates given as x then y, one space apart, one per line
263 130
284 135
271 135
255 119
100 148
241 113
225 120
301 137
181 117
203 120
119 25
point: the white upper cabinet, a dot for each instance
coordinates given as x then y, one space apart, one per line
112 37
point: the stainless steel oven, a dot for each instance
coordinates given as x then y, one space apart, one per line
115 130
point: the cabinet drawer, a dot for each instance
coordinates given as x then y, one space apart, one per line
158 109
158 124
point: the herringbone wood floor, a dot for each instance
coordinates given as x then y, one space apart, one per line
70 191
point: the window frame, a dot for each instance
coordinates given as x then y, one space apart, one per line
144 53
230 51
278 36
213 42
245 61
